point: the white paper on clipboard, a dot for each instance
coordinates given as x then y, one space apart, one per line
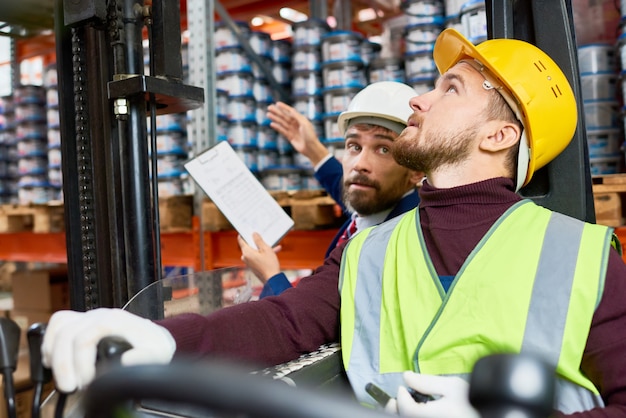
239 195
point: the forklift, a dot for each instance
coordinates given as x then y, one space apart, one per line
113 246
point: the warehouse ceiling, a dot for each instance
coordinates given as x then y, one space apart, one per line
25 18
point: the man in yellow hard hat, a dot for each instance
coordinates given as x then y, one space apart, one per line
475 270
478 270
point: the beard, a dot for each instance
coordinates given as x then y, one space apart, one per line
426 153
369 202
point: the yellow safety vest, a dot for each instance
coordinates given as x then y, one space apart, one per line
531 285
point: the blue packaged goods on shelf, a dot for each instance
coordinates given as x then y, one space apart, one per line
7 121
453 7
55 176
597 58
604 142
309 105
224 36
171 142
6 105
222 128
232 58
331 127
281 50
370 51
605 165
261 90
32 165
236 83
341 46
52 97
36 194
268 63
29 94
241 108
170 165
287 178
32 147
387 69
261 43
598 86
171 122
422 7
267 158
261 113
309 32
474 21
337 99
221 99
267 138
30 112
306 82
242 132
307 58
171 185
284 146
282 72
336 147
54 158
422 32
431 19
53 117
54 137
309 182
601 114
415 47
349 73
419 63
301 161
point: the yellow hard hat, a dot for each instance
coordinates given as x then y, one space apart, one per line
531 83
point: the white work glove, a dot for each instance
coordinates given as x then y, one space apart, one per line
450 392
70 343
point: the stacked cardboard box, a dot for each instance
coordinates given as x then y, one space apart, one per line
36 295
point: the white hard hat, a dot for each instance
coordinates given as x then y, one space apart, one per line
385 103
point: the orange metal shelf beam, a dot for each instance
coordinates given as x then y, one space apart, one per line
27 246
301 249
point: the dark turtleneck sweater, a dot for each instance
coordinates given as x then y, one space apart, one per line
278 329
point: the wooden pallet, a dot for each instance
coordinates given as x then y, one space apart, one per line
609 198
310 209
32 218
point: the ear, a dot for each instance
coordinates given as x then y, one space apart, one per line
416 177
502 136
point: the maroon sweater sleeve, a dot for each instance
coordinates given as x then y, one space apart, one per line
604 360
270 331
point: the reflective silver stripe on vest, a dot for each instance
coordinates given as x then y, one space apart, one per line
561 242
571 398
367 312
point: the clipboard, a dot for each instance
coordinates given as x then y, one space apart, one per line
237 193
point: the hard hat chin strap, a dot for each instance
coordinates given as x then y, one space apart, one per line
523 160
